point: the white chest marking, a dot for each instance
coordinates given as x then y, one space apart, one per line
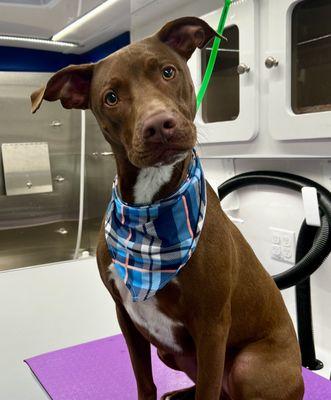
149 182
147 315
151 179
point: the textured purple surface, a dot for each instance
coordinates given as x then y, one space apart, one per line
316 387
101 370
98 370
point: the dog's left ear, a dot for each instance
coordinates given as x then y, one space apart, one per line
185 34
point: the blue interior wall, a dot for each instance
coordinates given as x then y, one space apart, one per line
30 60
105 49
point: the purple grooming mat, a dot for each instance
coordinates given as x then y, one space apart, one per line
101 370
98 370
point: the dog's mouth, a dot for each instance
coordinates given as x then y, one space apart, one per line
157 156
172 155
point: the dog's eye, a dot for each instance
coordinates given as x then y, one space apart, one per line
168 72
111 98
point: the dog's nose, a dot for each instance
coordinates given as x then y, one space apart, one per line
159 128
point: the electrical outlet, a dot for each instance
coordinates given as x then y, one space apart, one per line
275 238
282 245
276 252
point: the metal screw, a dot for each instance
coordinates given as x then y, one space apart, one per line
55 124
59 179
62 231
29 184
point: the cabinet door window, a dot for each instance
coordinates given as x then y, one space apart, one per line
311 57
222 101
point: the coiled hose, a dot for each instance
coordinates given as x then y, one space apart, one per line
316 240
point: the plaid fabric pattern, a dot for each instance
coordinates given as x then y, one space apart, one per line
150 244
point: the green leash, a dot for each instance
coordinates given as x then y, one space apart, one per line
213 55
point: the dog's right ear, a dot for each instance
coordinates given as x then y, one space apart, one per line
70 85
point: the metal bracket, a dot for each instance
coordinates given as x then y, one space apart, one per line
26 168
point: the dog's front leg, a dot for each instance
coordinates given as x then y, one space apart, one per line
140 354
211 348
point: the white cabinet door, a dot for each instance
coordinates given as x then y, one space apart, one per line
300 85
229 112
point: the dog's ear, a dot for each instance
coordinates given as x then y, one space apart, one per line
185 34
70 85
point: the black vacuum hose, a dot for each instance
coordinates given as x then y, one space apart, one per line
316 240
315 256
305 241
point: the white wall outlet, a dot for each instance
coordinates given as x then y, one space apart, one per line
275 238
276 252
282 245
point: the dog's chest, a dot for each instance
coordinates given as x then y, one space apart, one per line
147 316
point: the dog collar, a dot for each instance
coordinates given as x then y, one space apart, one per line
150 244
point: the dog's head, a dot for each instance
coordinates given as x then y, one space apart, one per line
142 95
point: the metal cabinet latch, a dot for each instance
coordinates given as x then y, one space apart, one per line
271 62
243 69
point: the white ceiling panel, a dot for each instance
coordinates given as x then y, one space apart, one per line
139 4
25 2
44 18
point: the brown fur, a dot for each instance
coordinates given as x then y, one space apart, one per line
237 338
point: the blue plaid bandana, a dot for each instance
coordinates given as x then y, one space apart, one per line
150 244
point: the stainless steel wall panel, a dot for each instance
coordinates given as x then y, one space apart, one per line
19 125
38 228
36 209
100 173
35 245
42 228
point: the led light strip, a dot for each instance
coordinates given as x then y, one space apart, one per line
82 20
22 39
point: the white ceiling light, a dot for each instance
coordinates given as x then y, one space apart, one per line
82 20
22 39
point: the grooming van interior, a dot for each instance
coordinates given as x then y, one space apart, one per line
264 141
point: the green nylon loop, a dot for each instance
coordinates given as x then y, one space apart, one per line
213 55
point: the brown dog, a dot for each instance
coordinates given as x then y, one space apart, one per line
222 320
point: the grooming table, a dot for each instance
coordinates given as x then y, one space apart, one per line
101 370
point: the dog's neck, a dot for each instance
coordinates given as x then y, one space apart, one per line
147 185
